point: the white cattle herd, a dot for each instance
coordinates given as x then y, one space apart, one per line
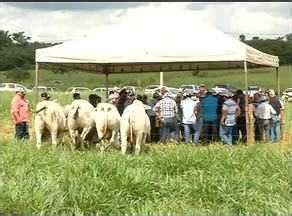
102 126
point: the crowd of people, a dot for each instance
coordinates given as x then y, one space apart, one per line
206 116
201 117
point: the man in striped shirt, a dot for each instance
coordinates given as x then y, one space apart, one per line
166 110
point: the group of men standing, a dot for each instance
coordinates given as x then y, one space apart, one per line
193 118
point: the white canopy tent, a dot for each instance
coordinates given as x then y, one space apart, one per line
119 50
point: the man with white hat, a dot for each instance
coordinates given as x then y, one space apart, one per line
263 113
230 111
166 110
20 114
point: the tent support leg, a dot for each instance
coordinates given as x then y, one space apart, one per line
36 84
161 78
278 81
249 138
106 85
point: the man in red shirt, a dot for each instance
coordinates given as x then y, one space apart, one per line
20 114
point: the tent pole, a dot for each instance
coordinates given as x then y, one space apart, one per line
248 128
278 81
36 84
106 85
161 78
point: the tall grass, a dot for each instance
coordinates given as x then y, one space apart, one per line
173 178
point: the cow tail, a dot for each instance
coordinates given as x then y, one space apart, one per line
76 113
131 129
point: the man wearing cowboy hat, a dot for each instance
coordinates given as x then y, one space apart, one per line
230 111
20 114
263 113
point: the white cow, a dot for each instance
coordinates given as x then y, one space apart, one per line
80 121
135 126
107 122
50 117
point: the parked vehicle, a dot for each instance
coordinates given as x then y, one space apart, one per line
134 89
192 88
11 87
252 90
287 95
45 89
72 90
223 88
151 89
99 90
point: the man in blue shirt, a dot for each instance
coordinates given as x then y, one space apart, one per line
210 116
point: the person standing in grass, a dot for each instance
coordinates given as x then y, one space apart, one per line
277 118
189 112
210 116
230 111
166 110
264 114
20 114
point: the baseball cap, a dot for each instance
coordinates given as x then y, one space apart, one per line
19 89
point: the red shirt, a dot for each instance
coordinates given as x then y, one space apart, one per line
19 109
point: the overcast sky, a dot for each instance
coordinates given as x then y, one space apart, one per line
54 22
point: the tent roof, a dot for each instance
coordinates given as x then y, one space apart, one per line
117 46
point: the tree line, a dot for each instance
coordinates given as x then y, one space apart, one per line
17 52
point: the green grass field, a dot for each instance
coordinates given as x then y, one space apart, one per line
172 178
265 77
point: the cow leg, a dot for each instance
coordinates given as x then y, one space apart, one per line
124 142
139 139
54 134
115 137
74 136
83 135
39 128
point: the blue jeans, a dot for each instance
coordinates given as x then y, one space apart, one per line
210 130
168 129
275 131
226 134
21 130
264 129
189 132
198 130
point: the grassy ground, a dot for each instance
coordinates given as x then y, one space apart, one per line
265 77
173 178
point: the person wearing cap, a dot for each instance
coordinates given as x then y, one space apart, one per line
230 111
210 116
154 121
94 99
278 118
76 96
189 111
166 110
263 113
20 114
241 119
45 96
114 96
122 101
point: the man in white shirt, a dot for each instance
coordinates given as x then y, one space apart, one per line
264 113
189 110
230 111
